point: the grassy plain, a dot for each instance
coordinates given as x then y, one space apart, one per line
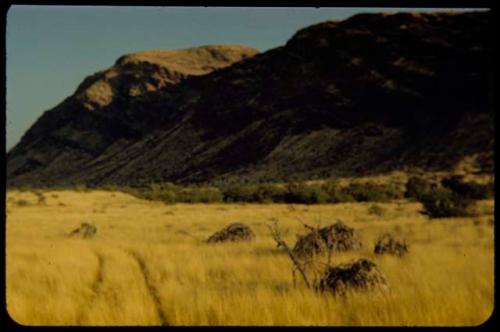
148 265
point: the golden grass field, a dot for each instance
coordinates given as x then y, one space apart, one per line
148 265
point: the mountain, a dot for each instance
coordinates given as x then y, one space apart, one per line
367 95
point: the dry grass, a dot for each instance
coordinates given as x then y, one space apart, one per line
147 265
177 63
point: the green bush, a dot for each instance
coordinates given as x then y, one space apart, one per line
199 195
302 194
262 193
168 197
165 192
469 190
240 193
295 192
336 193
442 203
416 187
81 188
269 193
371 192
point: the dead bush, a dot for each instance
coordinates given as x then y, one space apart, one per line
335 237
233 232
360 275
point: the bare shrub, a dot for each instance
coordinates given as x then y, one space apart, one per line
277 235
359 275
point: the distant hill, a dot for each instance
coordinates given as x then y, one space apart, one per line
367 95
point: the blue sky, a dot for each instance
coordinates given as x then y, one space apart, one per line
51 49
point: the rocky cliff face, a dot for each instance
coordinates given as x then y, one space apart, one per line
370 94
119 104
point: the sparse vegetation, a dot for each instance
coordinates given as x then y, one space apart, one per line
293 192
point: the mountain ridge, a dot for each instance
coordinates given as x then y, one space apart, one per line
369 94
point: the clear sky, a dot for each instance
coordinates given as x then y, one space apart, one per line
51 49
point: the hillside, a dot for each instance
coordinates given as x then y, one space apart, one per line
367 95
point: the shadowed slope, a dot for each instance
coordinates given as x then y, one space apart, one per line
370 94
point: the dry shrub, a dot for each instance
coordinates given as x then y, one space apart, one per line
85 231
387 244
233 232
360 275
335 237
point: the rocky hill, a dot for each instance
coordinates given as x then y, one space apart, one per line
367 95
